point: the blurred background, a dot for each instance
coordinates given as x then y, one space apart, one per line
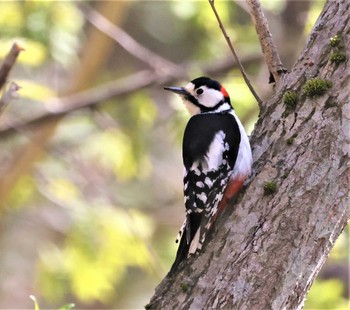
91 198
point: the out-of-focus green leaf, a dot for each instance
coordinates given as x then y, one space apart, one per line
312 15
52 279
242 100
341 246
67 22
74 128
48 28
67 307
63 189
104 242
67 16
184 9
35 91
326 294
274 6
11 17
116 153
22 192
143 110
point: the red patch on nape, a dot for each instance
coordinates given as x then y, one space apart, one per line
224 92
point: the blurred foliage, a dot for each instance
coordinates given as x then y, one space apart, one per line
36 304
96 254
331 292
46 29
22 192
100 212
327 294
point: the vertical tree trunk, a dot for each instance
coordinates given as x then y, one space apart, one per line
266 250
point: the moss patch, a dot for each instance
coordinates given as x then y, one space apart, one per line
334 41
337 57
184 287
316 87
290 99
270 187
290 140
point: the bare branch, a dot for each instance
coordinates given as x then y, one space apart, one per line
8 96
60 106
160 64
244 74
8 63
268 47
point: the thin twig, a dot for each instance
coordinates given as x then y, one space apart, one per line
133 47
268 47
245 77
8 63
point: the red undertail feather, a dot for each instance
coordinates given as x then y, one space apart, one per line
232 188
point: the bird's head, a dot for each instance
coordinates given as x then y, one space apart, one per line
203 95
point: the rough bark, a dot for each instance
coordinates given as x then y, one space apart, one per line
266 250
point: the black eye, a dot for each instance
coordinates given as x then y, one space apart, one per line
199 91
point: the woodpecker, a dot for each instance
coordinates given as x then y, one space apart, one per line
217 160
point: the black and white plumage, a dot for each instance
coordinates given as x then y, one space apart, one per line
217 159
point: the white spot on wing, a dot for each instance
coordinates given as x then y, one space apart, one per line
200 184
208 182
215 152
195 168
202 197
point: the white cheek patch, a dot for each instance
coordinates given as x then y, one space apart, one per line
210 97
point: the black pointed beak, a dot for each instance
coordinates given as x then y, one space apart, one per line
178 90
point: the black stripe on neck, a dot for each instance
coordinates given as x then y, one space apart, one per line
205 109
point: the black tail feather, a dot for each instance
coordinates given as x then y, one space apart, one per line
181 253
193 223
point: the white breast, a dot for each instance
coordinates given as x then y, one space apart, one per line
244 161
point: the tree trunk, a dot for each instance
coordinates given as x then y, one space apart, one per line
266 250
